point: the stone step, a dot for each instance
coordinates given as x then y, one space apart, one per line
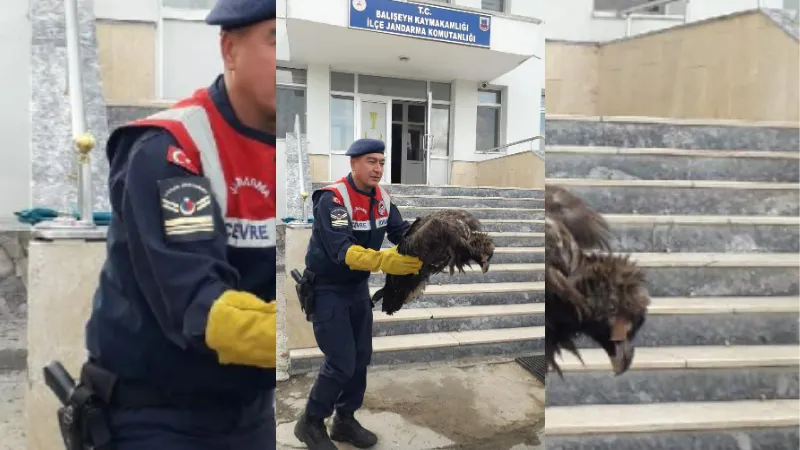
467 202
743 424
679 374
479 294
410 213
671 164
13 345
459 191
645 132
498 273
513 226
411 320
13 385
505 239
698 321
666 197
430 347
510 239
741 234
720 274
518 255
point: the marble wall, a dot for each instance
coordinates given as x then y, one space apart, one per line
52 153
13 305
13 275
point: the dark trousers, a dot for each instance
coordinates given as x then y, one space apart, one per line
343 329
247 427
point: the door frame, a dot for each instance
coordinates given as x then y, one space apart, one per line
405 125
360 98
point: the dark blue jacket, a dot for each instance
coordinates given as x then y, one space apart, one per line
150 308
329 240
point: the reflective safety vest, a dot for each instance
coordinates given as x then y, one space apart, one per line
242 176
357 205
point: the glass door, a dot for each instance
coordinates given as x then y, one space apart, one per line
414 163
374 124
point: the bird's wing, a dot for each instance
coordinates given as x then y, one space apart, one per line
588 227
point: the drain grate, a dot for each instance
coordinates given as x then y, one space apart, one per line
536 365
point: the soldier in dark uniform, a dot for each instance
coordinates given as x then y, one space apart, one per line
351 219
181 338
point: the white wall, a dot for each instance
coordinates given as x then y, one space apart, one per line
523 103
15 114
464 120
575 20
705 9
318 116
192 57
133 10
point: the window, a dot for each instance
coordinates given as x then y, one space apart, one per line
291 100
343 110
616 5
343 106
494 5
189 4
440 127
489 110
791 5
394 87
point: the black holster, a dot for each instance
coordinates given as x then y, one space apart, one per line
83 416
305 291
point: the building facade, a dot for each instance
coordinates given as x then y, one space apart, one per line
600 21
459 99
442 83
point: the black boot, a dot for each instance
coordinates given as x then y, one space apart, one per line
347 429
313 433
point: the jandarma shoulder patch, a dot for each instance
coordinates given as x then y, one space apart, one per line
187 209
339 217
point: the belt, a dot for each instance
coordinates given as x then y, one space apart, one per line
131 396
127 394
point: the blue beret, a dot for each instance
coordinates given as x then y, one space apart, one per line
232 14
364 146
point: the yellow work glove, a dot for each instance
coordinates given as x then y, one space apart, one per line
241 329
389 261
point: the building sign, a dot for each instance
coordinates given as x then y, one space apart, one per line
421 21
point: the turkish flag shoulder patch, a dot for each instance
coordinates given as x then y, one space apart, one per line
179 158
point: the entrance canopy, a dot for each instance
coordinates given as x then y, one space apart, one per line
333 35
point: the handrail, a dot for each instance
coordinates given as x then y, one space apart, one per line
303 193
66 226
499 149
627 13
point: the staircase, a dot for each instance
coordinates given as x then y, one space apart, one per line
472 316
711 213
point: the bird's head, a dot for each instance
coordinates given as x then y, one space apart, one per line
617 292
482 249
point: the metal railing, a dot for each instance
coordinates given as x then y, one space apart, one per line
628 13
67 226
503 149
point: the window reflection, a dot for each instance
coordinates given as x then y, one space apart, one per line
342 122
290 103
488 128
440 128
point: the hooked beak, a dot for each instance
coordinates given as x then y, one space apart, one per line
484 264
621 354
623 357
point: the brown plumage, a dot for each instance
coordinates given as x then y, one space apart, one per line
598 295
449 238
